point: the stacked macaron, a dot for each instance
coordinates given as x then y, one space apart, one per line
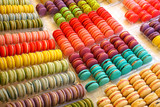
141 9
94 4
84 6
115 96
18 16
60 4
66 13
155 69
41 9
101 24
25 47
116 58
131 16
104 102
14 2
114 24
82 32
137 49
26 60
72 36
122 48
51 7
34 71
76 11
16 38
91 28
79 66
20 24
82 103
6 9
58 18
151 31
68 2
63 43
52 98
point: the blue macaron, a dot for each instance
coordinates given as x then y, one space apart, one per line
102 80
84 74
91 86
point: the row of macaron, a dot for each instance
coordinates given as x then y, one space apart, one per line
92 29
82 71
52 98
106 49
34 71
49 7
81 103
37 86
18 16
73 10
151 31
16 38
137 85
6 9
93 32
140 10
18 49
14 2
20 24
19 61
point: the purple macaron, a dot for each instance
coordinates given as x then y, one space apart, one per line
62 96
91 62
41 9
101 57
122 48
73 56
80 67
87 56
77 62
84 50
114 39
105 42
69 94
153 35
148 31
144 26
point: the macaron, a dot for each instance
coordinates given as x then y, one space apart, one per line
150 98
139 102
128 89
91 86
154 104
103 101
120 102
122 83
144 91
138 84
110 89
115 96
84 74
132 97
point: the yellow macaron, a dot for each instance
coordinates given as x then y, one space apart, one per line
3 9
156 40
26 59
10 62
3 63
18 61
46 55
20 9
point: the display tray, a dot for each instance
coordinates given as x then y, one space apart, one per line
117 11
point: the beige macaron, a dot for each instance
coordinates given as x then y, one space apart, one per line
144 91
155 104
138 84
150 78
110 89
158 92
122 83
150 98
127 90
103 101
158 74
132 97
155 85
108 105
138 103
144 73
121 102
133 78
155 67
115 95
127 106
